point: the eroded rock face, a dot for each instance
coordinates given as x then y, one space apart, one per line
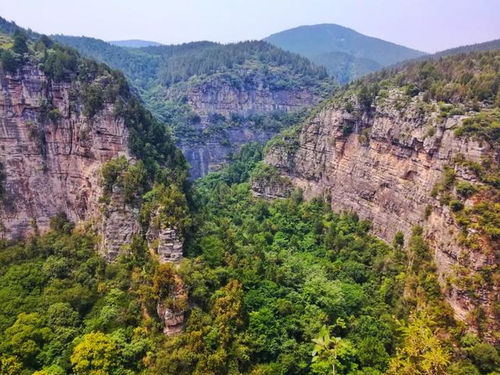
167 244
51 165
218 96
119 222
385 170
205 157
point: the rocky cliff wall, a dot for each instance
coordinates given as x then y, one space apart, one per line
383 165
51 154
220 97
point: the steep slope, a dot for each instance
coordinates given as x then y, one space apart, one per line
344 67
75 142
415 146
208 92
317 42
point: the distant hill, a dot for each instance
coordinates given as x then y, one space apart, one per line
134 43
486 46
345 53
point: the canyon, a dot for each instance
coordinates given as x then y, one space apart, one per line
383 164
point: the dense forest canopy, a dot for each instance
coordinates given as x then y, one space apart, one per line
268 282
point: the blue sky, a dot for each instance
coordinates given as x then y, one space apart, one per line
428 25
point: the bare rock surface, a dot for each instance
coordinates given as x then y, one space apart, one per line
51 165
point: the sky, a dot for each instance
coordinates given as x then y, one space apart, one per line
427 25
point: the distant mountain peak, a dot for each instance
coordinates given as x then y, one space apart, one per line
346 53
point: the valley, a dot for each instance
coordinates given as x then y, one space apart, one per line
208 208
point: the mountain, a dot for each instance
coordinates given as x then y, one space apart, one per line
134 43
417 145
485 46
360 53
216 97
361 240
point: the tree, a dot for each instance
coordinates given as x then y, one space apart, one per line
20 42
422 353
10 366
26 338
327 350
96 354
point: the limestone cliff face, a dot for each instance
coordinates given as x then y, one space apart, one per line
51 160
213 153
219 96
383 165
52 155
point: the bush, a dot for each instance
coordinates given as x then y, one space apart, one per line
465 189
456 205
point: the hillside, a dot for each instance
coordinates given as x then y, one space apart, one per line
492 45
413 146
134 43
323 43
216 97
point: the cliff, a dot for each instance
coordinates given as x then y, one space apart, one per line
398 161
63 120
74 142
51 164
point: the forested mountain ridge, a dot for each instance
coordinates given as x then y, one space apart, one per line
216 97
134 43
345 53
416 145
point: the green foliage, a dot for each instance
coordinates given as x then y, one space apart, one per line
8 61
266 175
464 79
20 45
465 189
63 310
422 351
96 354
485 125
60 63
328 351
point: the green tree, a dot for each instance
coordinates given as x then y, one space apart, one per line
20 42
329 350
96 354
422 353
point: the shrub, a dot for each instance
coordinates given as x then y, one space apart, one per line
8 61
465 189
456 205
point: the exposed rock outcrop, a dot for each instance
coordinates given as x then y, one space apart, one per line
219 96
172 314
51 153
166 243
118 224
383 165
